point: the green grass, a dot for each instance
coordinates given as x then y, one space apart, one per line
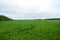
30 30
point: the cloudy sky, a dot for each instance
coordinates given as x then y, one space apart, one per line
30 9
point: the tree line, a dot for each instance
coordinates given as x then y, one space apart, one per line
4 18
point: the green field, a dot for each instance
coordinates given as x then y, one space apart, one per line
30 30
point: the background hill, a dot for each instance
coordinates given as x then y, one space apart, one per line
4 18
53 19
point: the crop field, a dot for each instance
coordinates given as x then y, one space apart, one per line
30 30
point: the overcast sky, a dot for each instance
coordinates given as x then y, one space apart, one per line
30 9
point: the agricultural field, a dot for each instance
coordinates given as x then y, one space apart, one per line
30 30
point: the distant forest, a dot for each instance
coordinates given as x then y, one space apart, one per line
4 18
50 19
53 19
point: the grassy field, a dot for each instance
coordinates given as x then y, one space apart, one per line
30 30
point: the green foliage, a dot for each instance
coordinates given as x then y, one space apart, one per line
4 18
30 30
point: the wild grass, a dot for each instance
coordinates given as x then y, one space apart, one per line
30 30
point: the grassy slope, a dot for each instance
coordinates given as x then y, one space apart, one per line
30 30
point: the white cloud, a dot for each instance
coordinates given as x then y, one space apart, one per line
30 8
31 5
